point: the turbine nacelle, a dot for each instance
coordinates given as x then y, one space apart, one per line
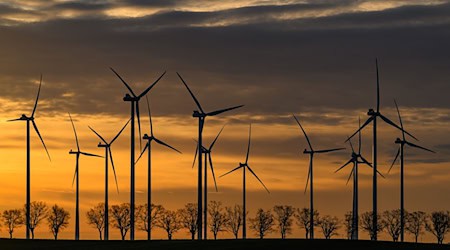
146 137
100 145
398 141
129 98
196 113
308 151
242 164
371 112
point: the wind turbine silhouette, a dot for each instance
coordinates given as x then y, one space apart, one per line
207 153
76 179
373 118
148 147
201 115
356 158
29 119
134 101
245 166
402 142
311 153
108 154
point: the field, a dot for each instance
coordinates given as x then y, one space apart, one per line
278 244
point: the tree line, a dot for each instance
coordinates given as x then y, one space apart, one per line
279 219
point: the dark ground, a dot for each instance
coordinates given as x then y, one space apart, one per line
249 244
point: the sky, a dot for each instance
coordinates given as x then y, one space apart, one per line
314 59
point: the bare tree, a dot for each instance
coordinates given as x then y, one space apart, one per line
367 224
283 215
302 216
348 223
96 217
188 218
217 218
234 219
120 215
169 222
57 219
263 223
415 223
142 216
38 212
329 225
12 219
438 224
392 223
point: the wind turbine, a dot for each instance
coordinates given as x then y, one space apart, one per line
108 154
29 119
245 166
207 153
373 118
400 152
76 180
134 101
311 153
148 147
356 158
201 115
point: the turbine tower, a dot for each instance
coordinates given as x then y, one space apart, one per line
373 114
76 180
201 115
245 166
134 101
311 153
108 154
148 147
29 119
402 142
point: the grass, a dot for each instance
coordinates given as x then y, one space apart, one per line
249 244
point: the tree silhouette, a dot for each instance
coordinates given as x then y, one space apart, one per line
367 225
38 212
120 215
391 221
262 223
438 224
57 220
188 218
329 225
234 218
415 223
217 218
12 219
348 224
96 217
142 216
283 215
302 216
169 222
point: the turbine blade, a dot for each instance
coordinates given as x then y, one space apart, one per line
350 176
75 132
120 132
142 153
192 94
309 174
365 161
328 150
417 146
165 144
306 136
343 166
89 154
114 169
230 171
126 84
359 136
99 136
13 120
74 175
195 156
40 137
385 119
212 144
37 98
213 113
351 144
212 171
251 171
248 148
151 86
149 116
139 124
378 86
400 119
360 128
395 159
